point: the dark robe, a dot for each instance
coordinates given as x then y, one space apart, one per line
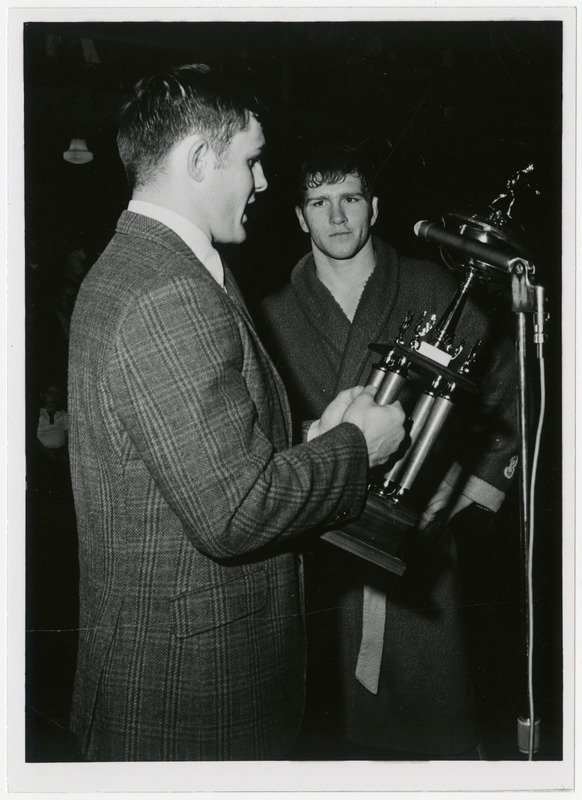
424 702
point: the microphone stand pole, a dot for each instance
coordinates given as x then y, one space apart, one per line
525 299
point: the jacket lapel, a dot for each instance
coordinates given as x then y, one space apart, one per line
235 293
236 296
146 227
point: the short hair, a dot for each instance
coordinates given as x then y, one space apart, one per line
166 107
332 165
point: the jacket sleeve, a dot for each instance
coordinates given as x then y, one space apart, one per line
486 468
180 377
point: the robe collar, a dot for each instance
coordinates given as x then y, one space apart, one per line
350 340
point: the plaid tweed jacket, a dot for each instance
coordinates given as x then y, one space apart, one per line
187 496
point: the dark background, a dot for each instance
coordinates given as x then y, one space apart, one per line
449 111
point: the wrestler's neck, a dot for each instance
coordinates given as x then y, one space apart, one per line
346 278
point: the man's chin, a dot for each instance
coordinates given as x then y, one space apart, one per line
236 237
343 253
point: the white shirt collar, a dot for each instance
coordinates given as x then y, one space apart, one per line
196 239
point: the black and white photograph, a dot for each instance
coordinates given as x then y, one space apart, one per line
291 361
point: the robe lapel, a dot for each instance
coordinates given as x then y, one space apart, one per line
327 329
339 347
371 318
320 308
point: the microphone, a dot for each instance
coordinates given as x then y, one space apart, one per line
465 245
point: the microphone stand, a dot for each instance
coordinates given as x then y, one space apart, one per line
526 299
489 248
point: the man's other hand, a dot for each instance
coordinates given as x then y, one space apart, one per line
440 500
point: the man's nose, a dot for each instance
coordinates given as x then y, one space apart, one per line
259 178
337 215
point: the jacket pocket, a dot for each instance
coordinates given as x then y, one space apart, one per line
215 605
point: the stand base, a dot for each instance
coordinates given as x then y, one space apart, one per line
524 733
377 534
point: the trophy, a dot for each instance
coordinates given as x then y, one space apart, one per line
434 365
431 363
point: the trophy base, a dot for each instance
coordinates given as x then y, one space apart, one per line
377 534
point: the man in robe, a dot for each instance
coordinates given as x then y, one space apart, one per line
404 683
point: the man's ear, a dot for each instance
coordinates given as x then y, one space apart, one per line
199 157
374 211
301 218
